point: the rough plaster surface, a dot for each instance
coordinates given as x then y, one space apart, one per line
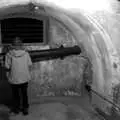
53 111
110 22
60 40
54 77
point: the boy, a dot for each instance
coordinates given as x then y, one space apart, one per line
19 64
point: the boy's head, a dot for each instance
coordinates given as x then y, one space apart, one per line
17 43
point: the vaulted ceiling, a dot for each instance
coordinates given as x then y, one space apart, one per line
97 41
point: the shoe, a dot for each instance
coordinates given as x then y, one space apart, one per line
25 111
13 112
20 109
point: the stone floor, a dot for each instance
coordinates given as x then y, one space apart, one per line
56 108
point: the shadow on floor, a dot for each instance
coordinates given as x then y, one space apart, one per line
73 103
4 115
59 109
114 115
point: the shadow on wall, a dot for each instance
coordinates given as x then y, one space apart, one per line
5 89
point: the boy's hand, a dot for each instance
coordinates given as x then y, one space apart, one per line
30 68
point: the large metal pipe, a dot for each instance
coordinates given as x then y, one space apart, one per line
56 53
41 55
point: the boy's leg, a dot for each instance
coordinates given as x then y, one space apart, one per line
16 98
25 103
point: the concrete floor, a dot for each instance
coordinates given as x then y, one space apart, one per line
49 105
48 108
56 108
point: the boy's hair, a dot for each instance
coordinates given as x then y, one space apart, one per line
17 41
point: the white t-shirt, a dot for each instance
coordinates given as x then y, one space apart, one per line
18 61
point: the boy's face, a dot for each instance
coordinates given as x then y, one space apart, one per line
17 40
16 47
17 43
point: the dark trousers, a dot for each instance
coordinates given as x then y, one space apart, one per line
20 96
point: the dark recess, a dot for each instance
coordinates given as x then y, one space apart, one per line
30 30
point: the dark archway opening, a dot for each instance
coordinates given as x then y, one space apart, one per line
27 29
24 27
30 30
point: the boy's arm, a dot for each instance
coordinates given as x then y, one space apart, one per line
7 61
29 61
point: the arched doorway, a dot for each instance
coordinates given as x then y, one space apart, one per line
12 26
91 48
24 28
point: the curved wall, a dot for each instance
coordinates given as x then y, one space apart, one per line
97 44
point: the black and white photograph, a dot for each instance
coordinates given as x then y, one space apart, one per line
59 59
